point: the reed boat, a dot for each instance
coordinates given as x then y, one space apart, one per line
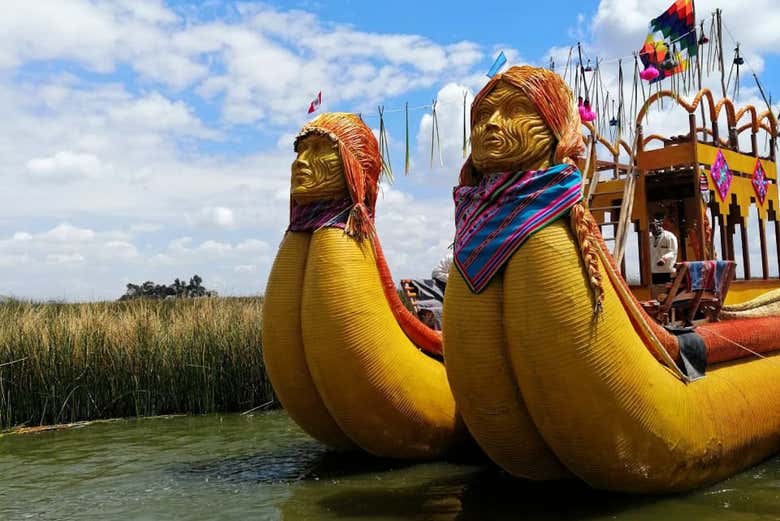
548 387
350 364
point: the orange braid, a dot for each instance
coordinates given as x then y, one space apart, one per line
584 227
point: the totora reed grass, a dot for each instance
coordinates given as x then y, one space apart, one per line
63 363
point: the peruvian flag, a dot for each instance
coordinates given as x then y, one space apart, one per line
316 102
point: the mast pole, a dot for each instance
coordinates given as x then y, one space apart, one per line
720 52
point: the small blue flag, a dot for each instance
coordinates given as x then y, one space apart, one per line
500 61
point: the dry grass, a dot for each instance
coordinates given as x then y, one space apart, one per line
64 363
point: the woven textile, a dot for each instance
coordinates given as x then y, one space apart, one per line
721 175
311 217
671 41
760 182
707 275
495 217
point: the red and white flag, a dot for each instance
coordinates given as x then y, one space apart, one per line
316 102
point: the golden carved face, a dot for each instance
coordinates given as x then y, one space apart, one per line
317 172
508 134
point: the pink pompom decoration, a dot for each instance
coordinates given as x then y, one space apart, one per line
649 74
586 113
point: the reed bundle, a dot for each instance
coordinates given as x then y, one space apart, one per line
71 362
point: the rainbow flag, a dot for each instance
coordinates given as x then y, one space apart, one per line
672 40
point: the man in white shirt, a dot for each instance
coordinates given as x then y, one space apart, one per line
663 256
442 270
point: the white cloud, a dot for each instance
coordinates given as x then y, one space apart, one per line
146 227
136 173
65 258
64 166
253 246
218 216
233 57
66 232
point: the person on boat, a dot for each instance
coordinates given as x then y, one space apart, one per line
441 271
663 256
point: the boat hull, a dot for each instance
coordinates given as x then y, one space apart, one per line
283 354
612 414
480 374
389 397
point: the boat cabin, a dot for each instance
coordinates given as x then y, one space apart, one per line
715 188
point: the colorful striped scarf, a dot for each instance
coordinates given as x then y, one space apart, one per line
709 275
494 218
322 214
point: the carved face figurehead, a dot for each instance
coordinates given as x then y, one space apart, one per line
317 172
508 133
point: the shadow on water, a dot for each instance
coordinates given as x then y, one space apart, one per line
489 494
486 494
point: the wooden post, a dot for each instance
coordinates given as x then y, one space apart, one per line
733 141
645 275
764 257
720 53
715 133
702 209
616 157
724 248
745 246
777 239
730 229
754 144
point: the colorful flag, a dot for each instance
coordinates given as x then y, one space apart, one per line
500 61
672 41
316 102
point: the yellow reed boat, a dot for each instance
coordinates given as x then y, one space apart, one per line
555 364
348 362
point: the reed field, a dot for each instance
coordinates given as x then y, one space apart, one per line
62 363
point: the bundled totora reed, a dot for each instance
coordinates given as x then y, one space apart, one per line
70 362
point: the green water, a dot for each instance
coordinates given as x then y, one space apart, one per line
263 467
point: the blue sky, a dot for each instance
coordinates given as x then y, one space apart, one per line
148 140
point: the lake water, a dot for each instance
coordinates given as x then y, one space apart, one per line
232 467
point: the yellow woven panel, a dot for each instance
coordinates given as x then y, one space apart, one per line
475 352
387 396
283 353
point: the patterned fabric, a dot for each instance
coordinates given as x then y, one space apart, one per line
324 214
721 175
671 41
707 275
760 182
494 218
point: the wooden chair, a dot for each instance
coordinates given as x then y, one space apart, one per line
680 299
410 294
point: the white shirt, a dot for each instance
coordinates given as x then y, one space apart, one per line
442 270
663 247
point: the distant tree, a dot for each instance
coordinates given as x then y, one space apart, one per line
160 291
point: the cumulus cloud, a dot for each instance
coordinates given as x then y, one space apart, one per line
153 140
73 263
64 166
218 216
232 57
